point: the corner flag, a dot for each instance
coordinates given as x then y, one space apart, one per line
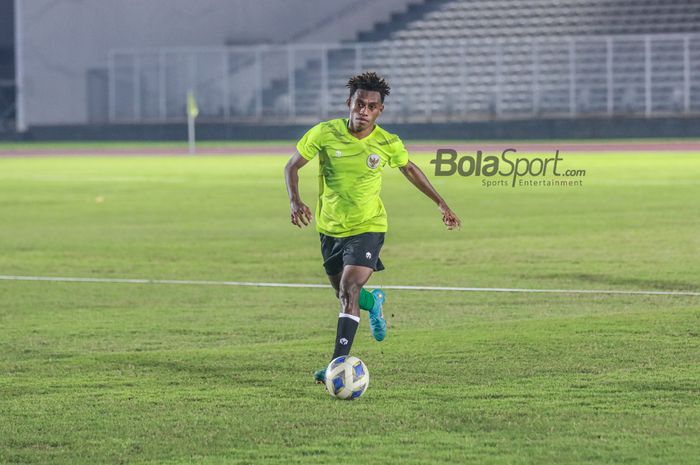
192 110
192 113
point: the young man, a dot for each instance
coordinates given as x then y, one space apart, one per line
350 216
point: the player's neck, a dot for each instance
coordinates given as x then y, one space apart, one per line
360 134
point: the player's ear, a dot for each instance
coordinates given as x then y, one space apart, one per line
348 102
381 108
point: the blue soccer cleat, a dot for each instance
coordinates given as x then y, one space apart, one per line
320 376
377 323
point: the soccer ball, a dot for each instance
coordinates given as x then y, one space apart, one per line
347 377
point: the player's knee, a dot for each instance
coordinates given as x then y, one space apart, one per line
348 292
349 288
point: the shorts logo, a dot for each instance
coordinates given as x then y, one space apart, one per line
368 255
343 341
373 160
338 153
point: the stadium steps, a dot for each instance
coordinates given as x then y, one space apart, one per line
465 82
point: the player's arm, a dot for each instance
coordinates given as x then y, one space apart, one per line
418 179
300 212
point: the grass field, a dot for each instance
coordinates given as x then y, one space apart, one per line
94 373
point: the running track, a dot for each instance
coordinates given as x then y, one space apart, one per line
460 147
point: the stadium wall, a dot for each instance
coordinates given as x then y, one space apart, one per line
66 43
544 129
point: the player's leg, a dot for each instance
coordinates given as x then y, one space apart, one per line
367 300
372 302
347 285
352 280
335 282
363 250
332 252
358 251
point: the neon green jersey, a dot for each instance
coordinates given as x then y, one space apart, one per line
350 176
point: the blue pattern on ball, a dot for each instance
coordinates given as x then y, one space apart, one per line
359 371
338 384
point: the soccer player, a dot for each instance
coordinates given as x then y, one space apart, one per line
350 216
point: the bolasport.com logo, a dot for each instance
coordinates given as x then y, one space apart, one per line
509 169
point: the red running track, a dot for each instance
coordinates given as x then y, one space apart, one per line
460 147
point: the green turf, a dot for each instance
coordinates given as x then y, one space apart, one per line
172 374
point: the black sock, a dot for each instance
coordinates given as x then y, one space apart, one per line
347 327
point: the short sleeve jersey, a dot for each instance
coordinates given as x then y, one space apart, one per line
350 176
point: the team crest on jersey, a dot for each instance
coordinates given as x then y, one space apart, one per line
338 153
373 160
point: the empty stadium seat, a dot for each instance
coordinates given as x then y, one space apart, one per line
514 56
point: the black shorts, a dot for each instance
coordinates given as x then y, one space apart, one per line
360 250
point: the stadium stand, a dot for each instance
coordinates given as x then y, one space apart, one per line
468 19
447 61
485 59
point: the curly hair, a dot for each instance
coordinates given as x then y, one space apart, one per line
370 81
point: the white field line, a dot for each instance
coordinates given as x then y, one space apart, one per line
406 288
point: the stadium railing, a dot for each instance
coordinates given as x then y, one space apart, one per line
432 80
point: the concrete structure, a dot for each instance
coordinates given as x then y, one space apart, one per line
65 43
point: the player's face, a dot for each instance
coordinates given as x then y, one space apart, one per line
365 108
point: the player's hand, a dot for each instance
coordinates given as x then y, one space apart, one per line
451 220
301 214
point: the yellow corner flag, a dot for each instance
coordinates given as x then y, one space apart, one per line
192 110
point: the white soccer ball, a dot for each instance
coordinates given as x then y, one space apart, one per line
347 377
